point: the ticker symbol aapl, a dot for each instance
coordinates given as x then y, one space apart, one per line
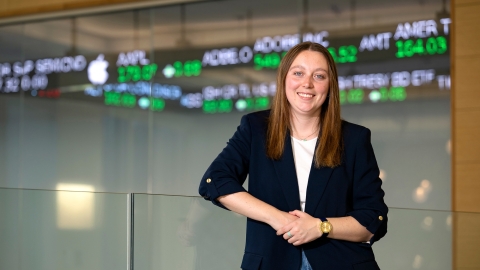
97 70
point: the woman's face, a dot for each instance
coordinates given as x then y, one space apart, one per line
307 82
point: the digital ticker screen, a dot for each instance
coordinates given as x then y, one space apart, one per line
410 61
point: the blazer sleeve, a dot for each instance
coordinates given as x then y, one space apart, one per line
228 171
369 208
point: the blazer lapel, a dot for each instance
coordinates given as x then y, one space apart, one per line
287 175
317 182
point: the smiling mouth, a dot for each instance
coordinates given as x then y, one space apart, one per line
305 95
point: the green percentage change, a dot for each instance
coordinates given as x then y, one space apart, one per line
429 46
356 96
188 69
119 99
352 96
129 101
155 104
256 103
383 94
217 106
269 60
136 73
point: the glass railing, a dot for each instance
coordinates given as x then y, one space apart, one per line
186 233
85 230
46 230
416 239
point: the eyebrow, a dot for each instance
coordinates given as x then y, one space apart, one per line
300 66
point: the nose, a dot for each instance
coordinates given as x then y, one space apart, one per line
308 82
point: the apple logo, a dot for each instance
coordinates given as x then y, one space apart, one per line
97 70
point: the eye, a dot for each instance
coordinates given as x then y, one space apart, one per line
319 77
297 73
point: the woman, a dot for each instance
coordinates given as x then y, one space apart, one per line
314 198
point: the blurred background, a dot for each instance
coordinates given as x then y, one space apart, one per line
111 111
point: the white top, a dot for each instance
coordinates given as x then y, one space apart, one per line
303 155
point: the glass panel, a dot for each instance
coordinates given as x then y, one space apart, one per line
62 230
11 38
174 232
416 239
66 135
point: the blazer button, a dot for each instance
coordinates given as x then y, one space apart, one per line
209 180
380 217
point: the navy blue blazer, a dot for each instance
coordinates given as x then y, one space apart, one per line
351 189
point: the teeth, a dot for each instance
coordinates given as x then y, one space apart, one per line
305 95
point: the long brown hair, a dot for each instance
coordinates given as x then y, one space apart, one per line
330 146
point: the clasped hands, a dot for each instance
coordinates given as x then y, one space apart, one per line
301 228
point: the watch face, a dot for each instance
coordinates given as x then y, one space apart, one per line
326 227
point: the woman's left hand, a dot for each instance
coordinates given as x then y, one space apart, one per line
301 231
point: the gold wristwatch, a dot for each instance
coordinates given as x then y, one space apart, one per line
325 227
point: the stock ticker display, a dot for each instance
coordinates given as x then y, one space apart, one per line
409 62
